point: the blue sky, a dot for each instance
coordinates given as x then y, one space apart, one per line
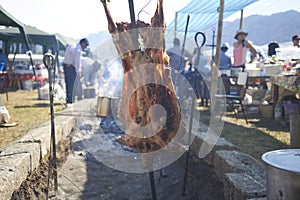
78 18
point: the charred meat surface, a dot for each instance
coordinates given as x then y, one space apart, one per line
148 107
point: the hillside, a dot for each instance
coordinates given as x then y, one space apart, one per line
278 27
263 29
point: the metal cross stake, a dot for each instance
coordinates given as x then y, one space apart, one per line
193 106
49 62
135 38
213 45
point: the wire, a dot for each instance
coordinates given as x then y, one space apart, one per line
143 9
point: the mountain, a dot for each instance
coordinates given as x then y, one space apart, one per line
96 39
262 30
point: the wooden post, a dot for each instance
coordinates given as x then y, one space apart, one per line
175 25
215 67
295 131
241 20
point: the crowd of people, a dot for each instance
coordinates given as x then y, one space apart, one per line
182 65
244 52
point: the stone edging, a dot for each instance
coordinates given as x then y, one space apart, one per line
19 159
243 177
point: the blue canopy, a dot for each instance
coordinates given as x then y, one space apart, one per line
204 14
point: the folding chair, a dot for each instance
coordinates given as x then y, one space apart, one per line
235 97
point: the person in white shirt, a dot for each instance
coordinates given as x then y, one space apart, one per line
73 69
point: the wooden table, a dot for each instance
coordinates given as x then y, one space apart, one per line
291 83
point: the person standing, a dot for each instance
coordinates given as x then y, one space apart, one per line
179 58
178 61
225 59
72 69
295 40
240 50
203 76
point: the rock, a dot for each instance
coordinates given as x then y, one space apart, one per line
240 186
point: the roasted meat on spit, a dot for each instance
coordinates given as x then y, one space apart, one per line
148 109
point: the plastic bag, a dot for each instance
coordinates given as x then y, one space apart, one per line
4 115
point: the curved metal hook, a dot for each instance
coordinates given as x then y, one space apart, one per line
142 10
203 39
49 61
199 47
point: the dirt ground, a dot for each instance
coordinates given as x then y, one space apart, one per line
83 176
36 186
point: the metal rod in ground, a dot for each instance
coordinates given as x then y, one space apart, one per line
183 47
193 107
185 173
189 139
152 182
54 161
49 62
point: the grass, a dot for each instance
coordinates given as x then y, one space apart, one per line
25 109
256 138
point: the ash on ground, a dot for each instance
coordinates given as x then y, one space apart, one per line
85 175
113 128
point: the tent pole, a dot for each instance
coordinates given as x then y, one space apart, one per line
28 48
175 25
241 19
215 68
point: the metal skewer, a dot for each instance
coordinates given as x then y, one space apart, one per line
135 35
183 47
193 107
152 182
136 46
49 62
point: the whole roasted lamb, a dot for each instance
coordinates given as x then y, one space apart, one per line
148 109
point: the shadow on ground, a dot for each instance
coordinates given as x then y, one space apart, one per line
256 138
38 105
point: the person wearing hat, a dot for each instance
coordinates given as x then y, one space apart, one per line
240 50
73 69
225 59
295 40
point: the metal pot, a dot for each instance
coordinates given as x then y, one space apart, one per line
107 106
89 93
283 174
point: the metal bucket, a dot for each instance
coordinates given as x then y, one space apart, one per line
89 93
283 174
107 106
